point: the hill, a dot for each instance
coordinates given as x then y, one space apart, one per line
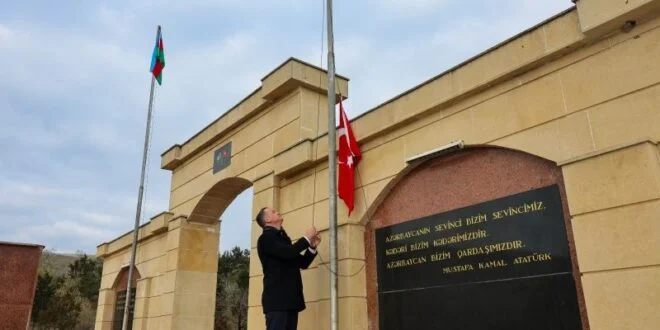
56 263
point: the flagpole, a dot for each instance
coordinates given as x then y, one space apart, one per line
332 172
138 211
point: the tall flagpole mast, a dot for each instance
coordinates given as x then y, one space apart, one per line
131 267
332 171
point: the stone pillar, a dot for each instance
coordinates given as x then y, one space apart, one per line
614 201
188 298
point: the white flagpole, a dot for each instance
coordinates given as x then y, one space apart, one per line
332 171
131 267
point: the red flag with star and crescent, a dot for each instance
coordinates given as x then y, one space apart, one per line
348 158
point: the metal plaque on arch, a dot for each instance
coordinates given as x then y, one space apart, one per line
222 158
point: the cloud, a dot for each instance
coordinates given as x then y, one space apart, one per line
6 35
74 86
410 8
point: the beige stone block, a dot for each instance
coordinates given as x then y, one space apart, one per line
312 282
196 282
264 183
256 319
319 175
382 162
599 17
152 249
155 285
623 299
104 313
518 52
259 151
107 281
202 237
562 31
175 223
172 259
477 72
112 264
436 134
287 136
184 209
106 297
312 119
364 197
256 287
141 307
607 74
184 322
153 267
350 243
195 304
103 325
621 177
165 322
140 323
167 303
255 264
628 118
557 140
294 159
353 311
541 141
642 26
274 118
167 282
255 233
263 199
308 319
297 194
143 287
261 170
121 243
351 283
201 261
618 238
155 306
575 136
296 222
529 105
173 239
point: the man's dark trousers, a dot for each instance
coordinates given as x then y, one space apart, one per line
282 320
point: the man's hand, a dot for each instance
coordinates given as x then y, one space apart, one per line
316 241
310 234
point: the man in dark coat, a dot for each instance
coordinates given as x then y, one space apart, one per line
282 298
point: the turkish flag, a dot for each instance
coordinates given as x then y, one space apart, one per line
348 158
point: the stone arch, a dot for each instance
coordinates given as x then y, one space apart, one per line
119 290
452 181
217 199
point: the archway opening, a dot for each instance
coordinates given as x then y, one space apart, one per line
120 290
229 204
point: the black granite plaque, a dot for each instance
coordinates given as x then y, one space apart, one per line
502 264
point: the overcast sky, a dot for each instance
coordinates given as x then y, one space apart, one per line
74 86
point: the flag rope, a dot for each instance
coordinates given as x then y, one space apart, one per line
357 170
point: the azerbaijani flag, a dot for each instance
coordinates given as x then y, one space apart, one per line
158 59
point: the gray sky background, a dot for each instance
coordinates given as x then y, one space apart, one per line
74 86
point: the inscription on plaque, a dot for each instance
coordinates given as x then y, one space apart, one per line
473 265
